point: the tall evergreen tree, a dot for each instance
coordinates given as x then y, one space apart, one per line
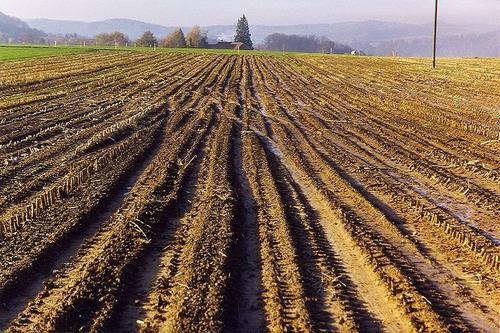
243 33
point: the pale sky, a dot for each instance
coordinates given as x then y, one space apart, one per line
268 12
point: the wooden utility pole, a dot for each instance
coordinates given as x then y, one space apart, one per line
435 35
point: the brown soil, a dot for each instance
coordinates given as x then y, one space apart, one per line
213 193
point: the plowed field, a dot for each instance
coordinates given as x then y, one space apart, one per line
219 193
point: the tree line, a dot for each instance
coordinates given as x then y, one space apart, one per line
296 43
176 39
196 38
14 30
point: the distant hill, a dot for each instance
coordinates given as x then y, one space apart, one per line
468 45
132 28
364 31
373 37
14 30
342 32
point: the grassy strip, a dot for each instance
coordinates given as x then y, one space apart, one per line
17 52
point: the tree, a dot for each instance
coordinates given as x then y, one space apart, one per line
103 39
196 38
243 33
119 38
112 39
175 40
147 40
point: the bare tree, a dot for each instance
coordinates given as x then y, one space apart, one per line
113 39
196 38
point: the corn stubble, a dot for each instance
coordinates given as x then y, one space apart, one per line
212 193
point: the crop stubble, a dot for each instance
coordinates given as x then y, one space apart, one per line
248 193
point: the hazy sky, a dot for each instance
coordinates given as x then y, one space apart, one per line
208 12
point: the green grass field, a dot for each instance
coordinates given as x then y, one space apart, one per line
18 52
10 53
